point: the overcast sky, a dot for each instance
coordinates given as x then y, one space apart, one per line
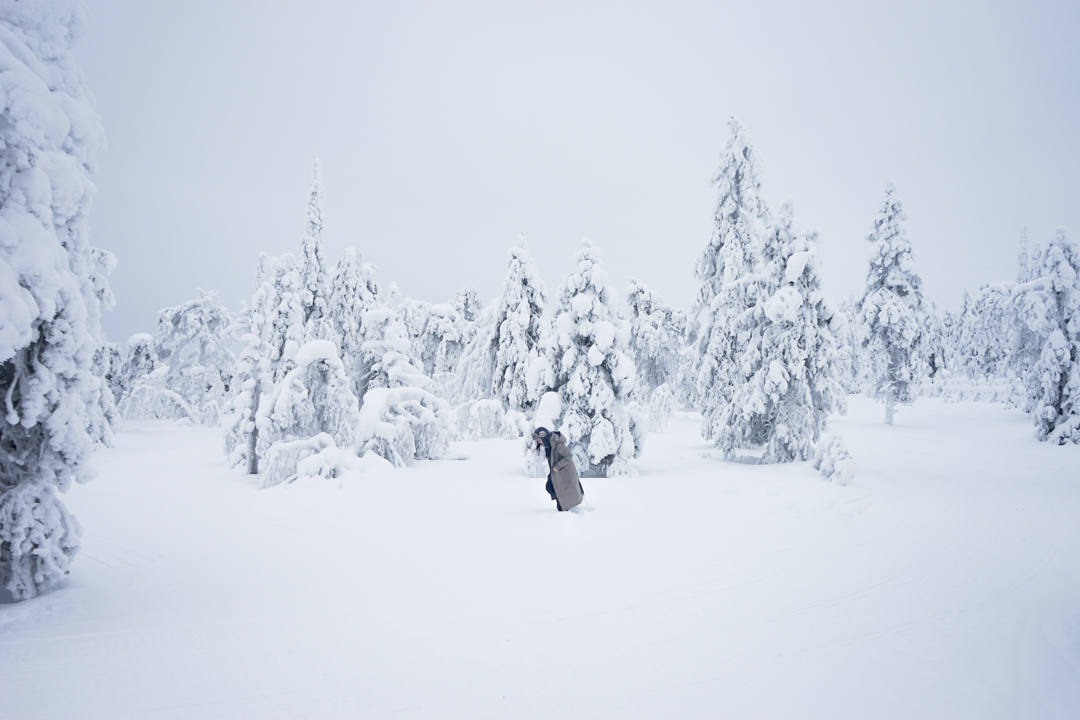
447 129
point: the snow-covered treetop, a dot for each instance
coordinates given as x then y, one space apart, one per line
467 302
740 217
523 290
314 205
1060 264
587 323
313 274
891 264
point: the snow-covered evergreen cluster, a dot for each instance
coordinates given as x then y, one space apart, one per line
327 370
53 289
1019 341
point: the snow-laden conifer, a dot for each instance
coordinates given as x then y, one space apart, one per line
785 384
51 288
279 296
593 372
503 359
516 345
730 258
656 339
314 282
437 336
313 399
1056 407
892 308
353 292
401 417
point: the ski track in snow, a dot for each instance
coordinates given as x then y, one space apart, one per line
942 583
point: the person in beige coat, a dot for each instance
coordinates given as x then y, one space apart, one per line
563 483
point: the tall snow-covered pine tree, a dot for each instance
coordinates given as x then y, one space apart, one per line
892 308
718 332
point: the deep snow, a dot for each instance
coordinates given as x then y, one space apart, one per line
944 582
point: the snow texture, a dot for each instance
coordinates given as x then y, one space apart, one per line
940 584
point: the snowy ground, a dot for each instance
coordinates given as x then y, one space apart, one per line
943 583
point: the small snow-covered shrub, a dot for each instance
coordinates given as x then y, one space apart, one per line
833 460
314 457
38 539
893 309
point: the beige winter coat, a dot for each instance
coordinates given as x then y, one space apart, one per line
564 476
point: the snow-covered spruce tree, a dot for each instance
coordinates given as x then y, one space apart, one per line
103 413
516 345
402 420
892 308
353 292
106 414
1025 338
251 379
314 283
194 343
593 373
110 362
656 337
477 364
785 384
503 361
1057 405
934 342
949 344
50 301
848 359
280 297
732 255
271 340
437 336
984 338
311 411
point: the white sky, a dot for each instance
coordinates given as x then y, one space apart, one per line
446 129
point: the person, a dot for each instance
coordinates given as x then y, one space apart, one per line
563 483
